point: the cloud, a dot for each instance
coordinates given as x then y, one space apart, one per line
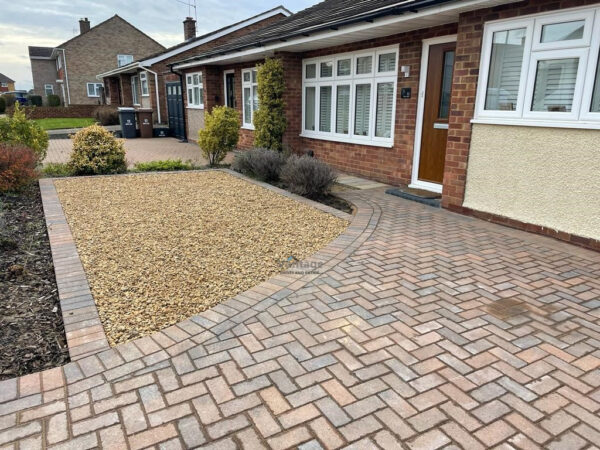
49 23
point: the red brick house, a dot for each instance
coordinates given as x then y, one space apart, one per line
495 104
149 82
6 84
69 69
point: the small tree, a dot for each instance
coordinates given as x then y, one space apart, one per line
19 130
220 133
269 120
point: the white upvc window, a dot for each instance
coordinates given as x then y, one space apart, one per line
542 70
94 89
123 60
249 96
351 97
195 90
48 89
144 84
135 83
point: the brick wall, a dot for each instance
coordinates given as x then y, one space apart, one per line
96 52
46 112
466 74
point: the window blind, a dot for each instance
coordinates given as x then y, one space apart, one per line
364 64
555 85
596 95
385 106
325 108
505 70
387 62
362 109
342 114
309 108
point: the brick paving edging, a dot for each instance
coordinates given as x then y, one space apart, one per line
83 328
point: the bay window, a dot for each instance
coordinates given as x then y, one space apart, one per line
250 96
542 70
195 90
351 97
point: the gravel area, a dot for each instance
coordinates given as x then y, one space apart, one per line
159 248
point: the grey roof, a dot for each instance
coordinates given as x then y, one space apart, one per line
326 15
40 52
5 79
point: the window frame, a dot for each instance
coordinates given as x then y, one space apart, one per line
46 89
87 86
144 86
587 49
190 86
251 84
123 55
135 81
374 78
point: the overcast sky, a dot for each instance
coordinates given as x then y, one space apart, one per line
51 22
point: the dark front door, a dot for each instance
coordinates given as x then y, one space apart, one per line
230 90
440 69
175 109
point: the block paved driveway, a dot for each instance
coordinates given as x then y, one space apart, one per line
424 329
137 150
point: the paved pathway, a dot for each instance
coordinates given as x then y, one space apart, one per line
138 150
423 329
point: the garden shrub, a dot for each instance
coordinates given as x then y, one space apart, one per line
307 176
34 100
20 130
260 163
17 166
2 105
106 115
96 151
56 170
10 99
53 100
164 165
269 120
220 134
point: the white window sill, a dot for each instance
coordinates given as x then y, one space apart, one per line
342 140
247 127
93 96
582 124
145 95
195 107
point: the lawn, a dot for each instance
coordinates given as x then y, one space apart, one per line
160 248
60 123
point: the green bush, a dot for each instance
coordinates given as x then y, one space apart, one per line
2 105
260 163
269 120
96 151
34 100
10 100
53 100
106 115
164 165
220 134
56 170
307 176
19 130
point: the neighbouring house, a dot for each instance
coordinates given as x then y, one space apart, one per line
6 84
149 83
495 104
69 69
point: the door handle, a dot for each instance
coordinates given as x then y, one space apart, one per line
440 126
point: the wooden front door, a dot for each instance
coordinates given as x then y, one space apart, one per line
440 69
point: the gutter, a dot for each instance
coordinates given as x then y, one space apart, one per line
66 74
180 75
155 91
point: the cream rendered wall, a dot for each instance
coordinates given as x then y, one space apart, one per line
543 176
195 121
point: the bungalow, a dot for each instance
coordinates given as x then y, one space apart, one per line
149 83
494 104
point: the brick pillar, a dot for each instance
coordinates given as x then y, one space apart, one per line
213 86
126 90
464 91
292 96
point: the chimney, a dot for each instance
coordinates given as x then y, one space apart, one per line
84 25
189 28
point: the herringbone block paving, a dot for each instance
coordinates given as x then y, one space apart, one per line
421 330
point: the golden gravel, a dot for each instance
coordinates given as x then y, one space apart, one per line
160 248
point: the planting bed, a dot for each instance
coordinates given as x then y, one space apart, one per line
159 248
32 335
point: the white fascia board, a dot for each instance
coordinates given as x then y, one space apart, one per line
459 6
212 37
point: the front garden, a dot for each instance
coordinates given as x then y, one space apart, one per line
65 123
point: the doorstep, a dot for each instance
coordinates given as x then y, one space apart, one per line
352 182
416 195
